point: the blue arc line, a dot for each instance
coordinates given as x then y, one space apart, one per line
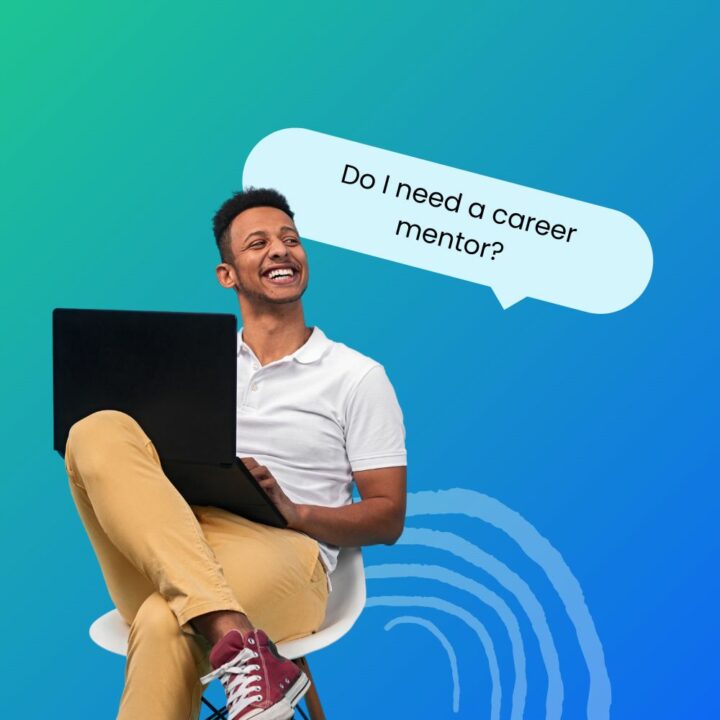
435 630
449 577
514 584
469 619
470 503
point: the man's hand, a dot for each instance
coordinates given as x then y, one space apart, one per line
269 484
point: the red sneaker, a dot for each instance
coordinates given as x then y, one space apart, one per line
259 683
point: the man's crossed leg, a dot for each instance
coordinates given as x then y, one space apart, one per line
189 578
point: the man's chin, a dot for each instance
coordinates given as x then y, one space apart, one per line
273 299
284 301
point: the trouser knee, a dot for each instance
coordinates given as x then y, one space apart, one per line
155 623
91 438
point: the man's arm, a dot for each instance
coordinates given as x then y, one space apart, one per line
379 517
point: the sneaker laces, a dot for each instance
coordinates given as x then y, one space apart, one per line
238 678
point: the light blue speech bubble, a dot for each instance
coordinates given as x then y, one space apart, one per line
519 241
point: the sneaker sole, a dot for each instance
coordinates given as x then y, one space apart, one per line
297 691
284 708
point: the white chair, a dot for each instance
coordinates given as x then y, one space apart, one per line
345 604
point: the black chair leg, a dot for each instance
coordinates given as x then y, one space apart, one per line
217 713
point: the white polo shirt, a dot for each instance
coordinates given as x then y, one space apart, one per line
315 417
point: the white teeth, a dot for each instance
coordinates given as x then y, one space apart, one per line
283 272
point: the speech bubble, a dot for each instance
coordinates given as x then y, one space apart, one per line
519 241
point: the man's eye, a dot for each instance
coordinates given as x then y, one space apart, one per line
257 244
292 241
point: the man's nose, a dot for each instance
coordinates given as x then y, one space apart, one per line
278 248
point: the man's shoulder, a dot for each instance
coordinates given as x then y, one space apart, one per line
347 359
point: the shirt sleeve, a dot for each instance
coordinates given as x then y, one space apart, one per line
374 430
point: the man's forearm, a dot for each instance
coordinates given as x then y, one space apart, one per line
369 522
377 518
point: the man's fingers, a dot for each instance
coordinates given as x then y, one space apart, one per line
256 470
260 472
269 485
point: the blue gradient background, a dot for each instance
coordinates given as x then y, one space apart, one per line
122 130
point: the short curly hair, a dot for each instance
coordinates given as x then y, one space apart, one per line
240 201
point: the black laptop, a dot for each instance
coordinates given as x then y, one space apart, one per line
176 374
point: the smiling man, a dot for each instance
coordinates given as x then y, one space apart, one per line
313 416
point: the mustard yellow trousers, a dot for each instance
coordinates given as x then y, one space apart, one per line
166 562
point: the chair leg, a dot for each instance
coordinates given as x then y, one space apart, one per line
312 699
217 713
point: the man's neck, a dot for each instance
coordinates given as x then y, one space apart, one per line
273 332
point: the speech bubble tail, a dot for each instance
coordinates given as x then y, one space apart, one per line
507 297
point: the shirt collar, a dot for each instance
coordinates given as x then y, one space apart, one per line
313 349
310 352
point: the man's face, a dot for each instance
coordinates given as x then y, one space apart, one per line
269 262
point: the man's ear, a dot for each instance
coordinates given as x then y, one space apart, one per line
226 275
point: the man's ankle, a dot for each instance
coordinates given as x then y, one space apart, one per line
213 626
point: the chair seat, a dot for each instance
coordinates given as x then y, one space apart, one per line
345 604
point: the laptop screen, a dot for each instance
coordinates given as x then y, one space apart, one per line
175 373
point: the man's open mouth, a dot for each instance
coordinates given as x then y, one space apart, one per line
281 276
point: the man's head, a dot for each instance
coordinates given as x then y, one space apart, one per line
260 251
